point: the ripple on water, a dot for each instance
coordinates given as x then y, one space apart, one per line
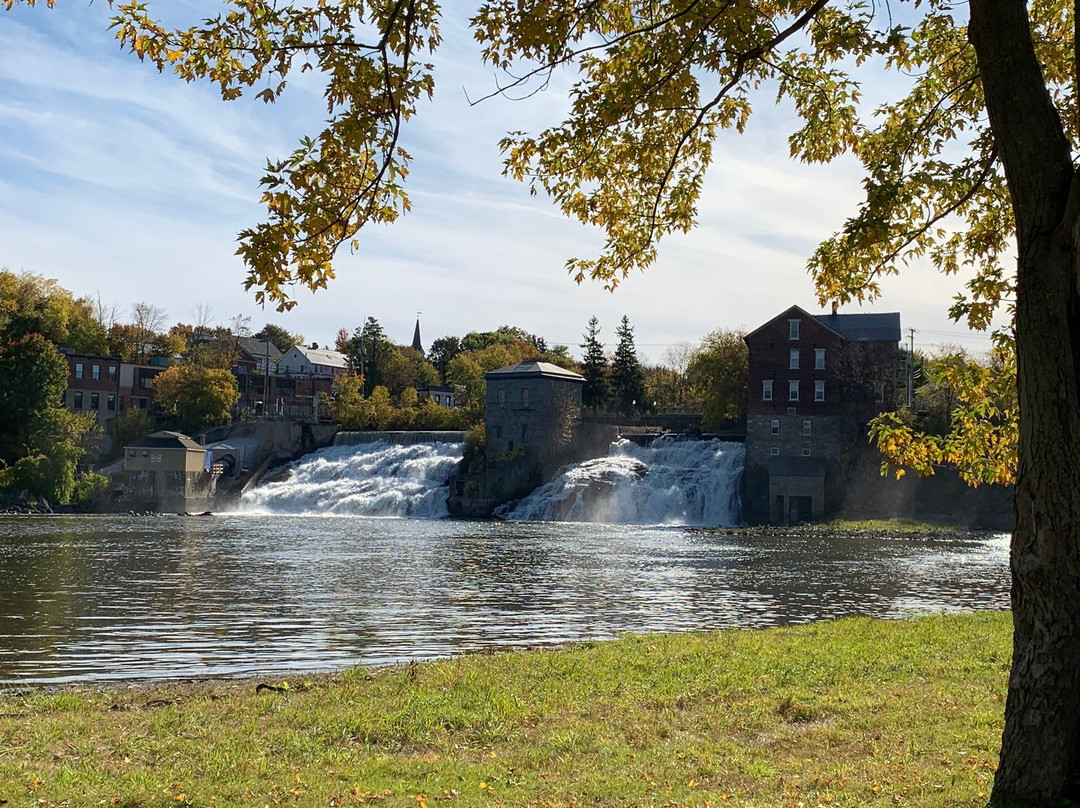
112 598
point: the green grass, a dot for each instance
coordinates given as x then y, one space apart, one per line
855 712
896 527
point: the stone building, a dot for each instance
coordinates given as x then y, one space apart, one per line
814 382
534 427
167 471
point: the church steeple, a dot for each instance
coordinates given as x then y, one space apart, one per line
416 344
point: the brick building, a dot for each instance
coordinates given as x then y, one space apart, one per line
94 386
814 382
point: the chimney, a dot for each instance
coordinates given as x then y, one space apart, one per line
835 306
315 345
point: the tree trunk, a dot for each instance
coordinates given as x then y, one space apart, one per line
1040 751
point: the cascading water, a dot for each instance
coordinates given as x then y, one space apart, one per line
673 481
369 479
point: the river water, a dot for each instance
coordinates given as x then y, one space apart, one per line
92 598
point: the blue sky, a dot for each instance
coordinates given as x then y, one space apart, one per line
130 185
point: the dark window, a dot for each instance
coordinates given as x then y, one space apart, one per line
793 329
78 370
112 373
94 401
95 372
110 402
775 426
76 402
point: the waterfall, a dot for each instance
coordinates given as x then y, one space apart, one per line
369 479
674 481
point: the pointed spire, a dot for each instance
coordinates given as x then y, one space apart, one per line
416 344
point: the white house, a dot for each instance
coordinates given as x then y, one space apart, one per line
301 361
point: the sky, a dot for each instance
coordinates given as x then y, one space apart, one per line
128 185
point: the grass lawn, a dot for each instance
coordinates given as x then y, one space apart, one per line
856 712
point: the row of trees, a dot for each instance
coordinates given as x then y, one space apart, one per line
710 378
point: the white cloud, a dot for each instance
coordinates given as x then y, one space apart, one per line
120 181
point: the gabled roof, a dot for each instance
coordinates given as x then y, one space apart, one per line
317 356
532 369
883 327
165 440
259 348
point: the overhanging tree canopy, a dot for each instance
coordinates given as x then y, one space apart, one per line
976 154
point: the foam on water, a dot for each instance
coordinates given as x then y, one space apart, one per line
671 482
369 479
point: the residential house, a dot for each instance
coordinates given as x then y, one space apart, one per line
814 382
443 396
312 362
259 355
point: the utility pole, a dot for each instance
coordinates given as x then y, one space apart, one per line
911 369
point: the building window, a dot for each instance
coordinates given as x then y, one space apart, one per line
766 390
793 390
94 401
95 372
819 391
805 452
110 402
819 359
793 359
793 329
502 399
112 373
525 397
806 426
78 370
775 450
879 392
76 401
775 426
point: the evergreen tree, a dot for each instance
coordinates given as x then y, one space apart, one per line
627 377
596 392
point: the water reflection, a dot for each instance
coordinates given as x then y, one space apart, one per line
95 598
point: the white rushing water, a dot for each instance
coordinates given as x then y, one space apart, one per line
671 482
369 479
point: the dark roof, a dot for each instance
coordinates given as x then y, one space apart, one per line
864 327
416 344
534 369
165 440
259 348
796 466
855 327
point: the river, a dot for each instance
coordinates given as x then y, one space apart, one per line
121 598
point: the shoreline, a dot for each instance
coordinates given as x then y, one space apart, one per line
853 711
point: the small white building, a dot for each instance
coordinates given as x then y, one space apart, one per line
313 361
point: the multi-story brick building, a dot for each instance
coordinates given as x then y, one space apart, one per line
94 386
814 382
